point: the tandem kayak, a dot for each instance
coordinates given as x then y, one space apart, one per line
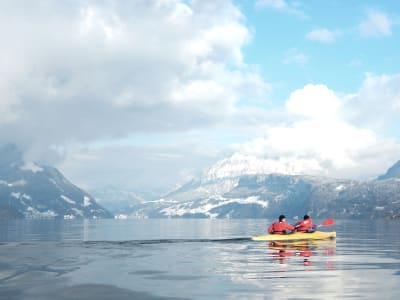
316 235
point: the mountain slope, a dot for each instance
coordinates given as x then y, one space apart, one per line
36 191
392 172
269 195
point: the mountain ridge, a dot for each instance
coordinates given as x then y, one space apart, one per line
269 195
32 190
392 172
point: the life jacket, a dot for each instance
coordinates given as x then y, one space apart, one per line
279 227
303 226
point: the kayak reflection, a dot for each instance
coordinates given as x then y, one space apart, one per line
282 251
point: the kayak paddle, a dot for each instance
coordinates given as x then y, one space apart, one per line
327 222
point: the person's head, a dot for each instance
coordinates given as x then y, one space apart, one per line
306 217
282 218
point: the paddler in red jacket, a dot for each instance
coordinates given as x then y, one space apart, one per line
280 227
304 226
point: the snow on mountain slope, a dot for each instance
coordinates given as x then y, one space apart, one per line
269 195
239 165
36 191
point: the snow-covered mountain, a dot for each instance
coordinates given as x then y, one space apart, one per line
30 190
269 195
238 165
233 188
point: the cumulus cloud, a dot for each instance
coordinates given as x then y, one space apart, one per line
322 35
314 101
376 104
322 139
377 24
88 70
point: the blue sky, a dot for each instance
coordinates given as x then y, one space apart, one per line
340 64
145 95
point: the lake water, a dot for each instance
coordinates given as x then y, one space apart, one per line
194 259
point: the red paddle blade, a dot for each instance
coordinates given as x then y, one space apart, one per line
328 222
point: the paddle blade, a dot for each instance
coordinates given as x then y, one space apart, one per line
328 222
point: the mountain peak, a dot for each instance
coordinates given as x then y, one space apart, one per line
392 172
239 165
32 190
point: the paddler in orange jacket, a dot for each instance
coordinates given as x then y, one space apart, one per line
280 227
304 226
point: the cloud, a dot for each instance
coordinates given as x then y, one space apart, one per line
314 101
85 71
376 104
322 35
377 24
318 132
320 138
154 168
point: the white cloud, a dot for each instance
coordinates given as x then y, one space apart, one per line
314 101
92 73
377 24
321 133
321 141
88 70
322 35
144 168
376 104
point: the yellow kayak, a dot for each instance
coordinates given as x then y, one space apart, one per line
316 235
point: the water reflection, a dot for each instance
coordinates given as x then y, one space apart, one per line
287 252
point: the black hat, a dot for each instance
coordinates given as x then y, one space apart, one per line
281 217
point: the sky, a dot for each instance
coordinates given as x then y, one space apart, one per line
145 95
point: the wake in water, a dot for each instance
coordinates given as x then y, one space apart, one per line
170 241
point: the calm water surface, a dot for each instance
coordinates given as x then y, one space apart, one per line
194 259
